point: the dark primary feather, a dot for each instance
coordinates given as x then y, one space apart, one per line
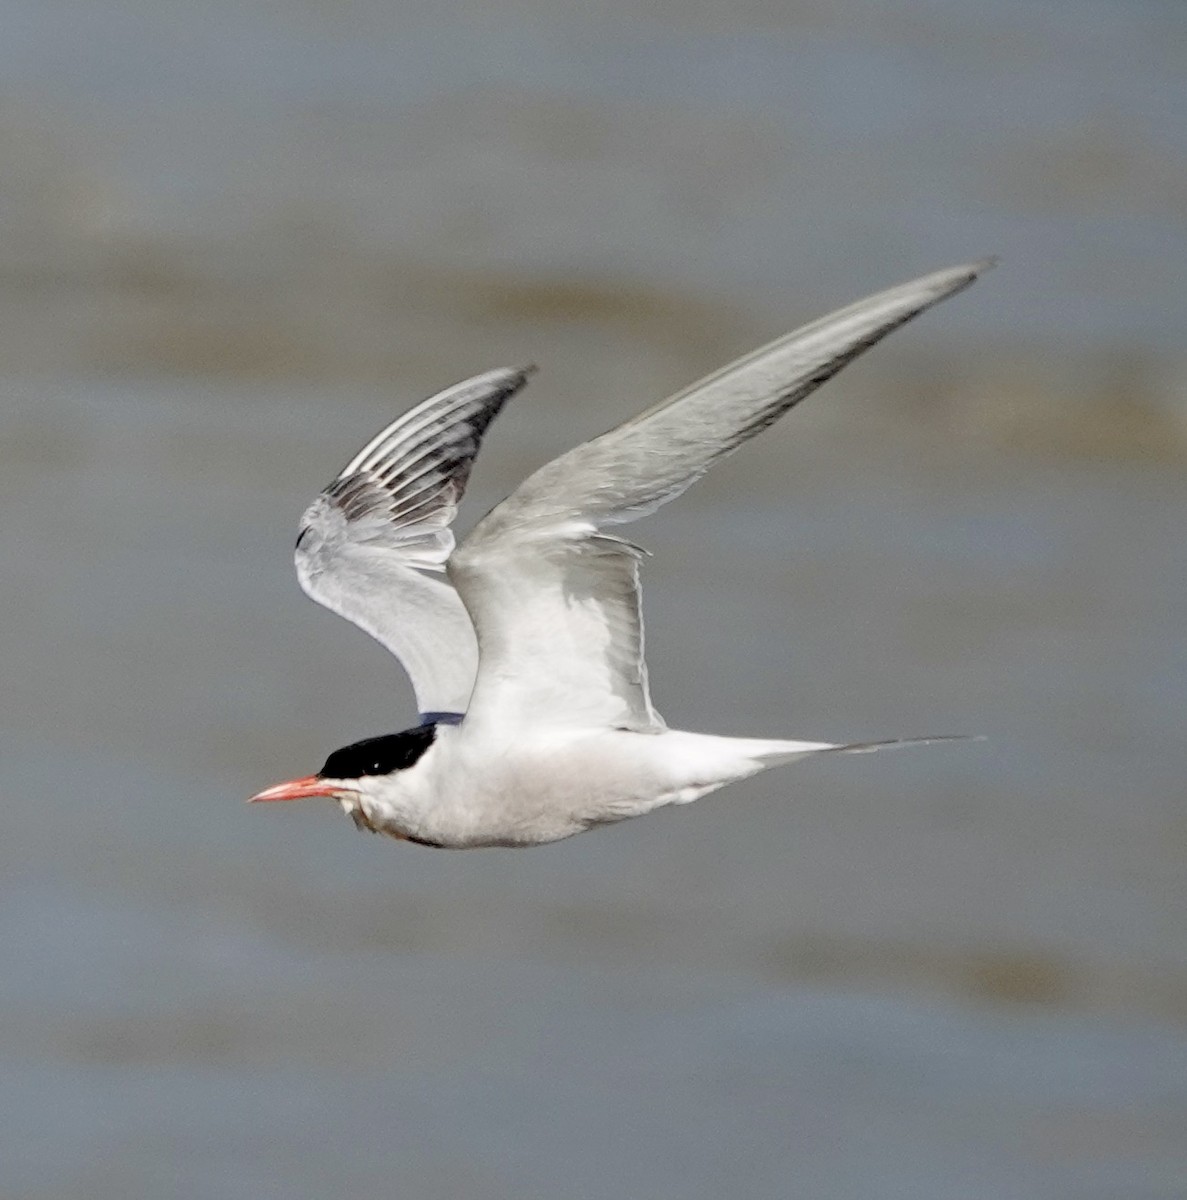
409 478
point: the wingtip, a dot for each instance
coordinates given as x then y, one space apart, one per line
947 282
967 272
502 378
513 378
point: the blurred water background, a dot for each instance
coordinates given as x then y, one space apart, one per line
236 238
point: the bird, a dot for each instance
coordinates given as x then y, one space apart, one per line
524 642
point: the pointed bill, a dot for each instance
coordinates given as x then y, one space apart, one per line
304 788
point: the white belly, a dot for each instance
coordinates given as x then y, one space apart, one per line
552 784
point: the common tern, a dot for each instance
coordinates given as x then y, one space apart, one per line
524 643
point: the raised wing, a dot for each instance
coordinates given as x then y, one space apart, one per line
367 540
554 600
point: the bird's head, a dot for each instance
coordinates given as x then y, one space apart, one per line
359 772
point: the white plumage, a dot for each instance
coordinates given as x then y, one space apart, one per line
536 634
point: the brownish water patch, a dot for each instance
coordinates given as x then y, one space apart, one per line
1014 975
1017 977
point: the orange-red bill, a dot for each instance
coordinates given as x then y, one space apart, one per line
297 789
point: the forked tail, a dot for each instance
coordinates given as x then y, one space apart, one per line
693 764
774 752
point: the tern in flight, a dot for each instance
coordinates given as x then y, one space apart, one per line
525 643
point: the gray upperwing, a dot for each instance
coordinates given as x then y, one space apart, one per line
555 602
653 457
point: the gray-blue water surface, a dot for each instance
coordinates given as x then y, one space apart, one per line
203 999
